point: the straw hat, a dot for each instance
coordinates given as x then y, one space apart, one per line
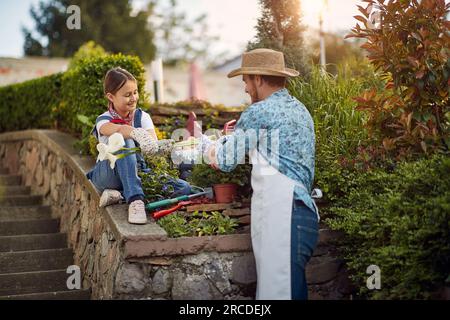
263 62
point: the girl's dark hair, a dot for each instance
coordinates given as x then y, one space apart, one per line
115 79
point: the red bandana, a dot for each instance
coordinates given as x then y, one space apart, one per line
117 119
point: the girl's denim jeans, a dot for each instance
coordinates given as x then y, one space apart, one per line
304 237
124 177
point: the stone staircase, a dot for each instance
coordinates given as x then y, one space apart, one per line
34 255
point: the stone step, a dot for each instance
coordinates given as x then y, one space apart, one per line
11 228
35 260
14 213
33 242
58 295
21 200
14 190
4 171
33 282
10 180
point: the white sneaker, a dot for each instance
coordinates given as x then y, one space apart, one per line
109 197
136 212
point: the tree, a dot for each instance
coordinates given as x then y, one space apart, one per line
111 24
279 28
180 39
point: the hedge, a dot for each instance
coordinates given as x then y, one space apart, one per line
30 104
399 221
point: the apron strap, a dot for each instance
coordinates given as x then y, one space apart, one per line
315 194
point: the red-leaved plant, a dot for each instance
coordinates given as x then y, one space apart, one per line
408 43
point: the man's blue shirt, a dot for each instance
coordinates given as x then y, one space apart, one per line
282 130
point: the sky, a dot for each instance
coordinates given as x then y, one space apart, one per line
232 20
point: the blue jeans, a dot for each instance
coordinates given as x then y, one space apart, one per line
124 177
304 238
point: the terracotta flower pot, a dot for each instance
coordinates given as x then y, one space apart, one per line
225 193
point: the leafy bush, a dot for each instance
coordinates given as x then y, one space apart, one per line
198 224
411 115
398 221
30 104
88 50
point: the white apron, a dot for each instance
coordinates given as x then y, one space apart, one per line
271 209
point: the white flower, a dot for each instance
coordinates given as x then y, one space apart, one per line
106 152
102 151
115 142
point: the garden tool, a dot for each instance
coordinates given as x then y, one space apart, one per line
208 193
161 213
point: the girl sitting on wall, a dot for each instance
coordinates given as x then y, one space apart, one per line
136 126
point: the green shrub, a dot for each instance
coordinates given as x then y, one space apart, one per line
88 50
30 104
398 221
198 224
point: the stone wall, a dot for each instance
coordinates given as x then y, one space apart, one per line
123 261
206 276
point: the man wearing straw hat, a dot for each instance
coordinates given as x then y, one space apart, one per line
277 132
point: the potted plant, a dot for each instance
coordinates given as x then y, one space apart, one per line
225 184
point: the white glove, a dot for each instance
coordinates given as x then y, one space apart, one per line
165 146
147 145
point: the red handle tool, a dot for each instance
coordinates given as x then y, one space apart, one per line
161 213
